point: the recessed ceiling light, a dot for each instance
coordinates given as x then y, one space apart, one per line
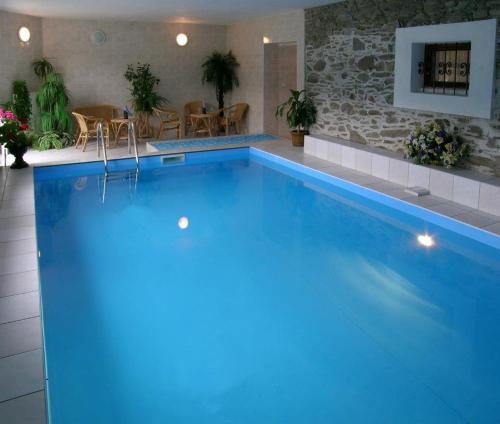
425 240
24 34
182 39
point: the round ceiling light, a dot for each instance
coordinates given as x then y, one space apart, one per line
98 37
24 34
182 39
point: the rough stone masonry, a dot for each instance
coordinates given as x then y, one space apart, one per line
350 73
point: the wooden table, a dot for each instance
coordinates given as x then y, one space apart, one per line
204 122
118 124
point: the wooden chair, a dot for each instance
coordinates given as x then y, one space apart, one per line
233 117
169 120
88 129
189 109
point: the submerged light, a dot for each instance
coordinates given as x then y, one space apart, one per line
183 222
425 240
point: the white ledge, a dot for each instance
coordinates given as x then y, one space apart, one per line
466 187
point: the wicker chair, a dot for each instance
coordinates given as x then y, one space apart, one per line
189 109
233 117
169 120
88 129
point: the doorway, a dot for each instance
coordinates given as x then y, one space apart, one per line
280 76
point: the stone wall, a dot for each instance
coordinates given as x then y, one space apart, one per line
350 73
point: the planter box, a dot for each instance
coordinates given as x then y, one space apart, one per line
460 186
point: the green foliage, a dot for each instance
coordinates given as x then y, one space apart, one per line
142 88
42 68
52 99
300 111
219 69
21 102
53 140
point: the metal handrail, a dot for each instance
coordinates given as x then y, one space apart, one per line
101 142
131 134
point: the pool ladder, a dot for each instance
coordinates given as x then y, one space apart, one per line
131 140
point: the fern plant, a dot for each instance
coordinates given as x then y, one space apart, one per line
219 69
21 102
52 99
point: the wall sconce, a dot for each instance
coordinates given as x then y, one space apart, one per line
181 39
266 40
24 35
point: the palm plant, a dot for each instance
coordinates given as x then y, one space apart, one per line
42 68
219 69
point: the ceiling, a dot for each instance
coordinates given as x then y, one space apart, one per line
196 11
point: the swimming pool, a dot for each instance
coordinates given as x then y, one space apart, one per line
237 288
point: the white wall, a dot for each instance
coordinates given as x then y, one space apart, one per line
245 40
15 60
94 74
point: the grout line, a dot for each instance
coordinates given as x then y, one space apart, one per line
20 353
17 294
21 396
21 319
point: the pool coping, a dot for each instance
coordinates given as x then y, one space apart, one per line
22 395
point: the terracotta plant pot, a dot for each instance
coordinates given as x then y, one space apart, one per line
298 138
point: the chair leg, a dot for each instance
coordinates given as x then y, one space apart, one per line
85 138
78 140
237 127
159 131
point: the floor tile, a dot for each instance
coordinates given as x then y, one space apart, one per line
448 209
18 221
21 375
18 263
477 218
18 283
20 336
494 228
17 233
9 212
20 306
29 409
17 247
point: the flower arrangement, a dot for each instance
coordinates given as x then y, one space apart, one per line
432 144
13 136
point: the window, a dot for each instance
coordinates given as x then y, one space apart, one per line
446 68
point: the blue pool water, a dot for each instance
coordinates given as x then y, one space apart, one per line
215 141
286 299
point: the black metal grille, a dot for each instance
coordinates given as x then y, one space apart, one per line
446 68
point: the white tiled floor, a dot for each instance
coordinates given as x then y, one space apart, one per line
22 397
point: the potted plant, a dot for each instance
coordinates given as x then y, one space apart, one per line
52 99
13 136
219 69
432 144
300 115
144 97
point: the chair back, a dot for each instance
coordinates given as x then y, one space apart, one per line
106 112
166 115
239 111
193 107
81 121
